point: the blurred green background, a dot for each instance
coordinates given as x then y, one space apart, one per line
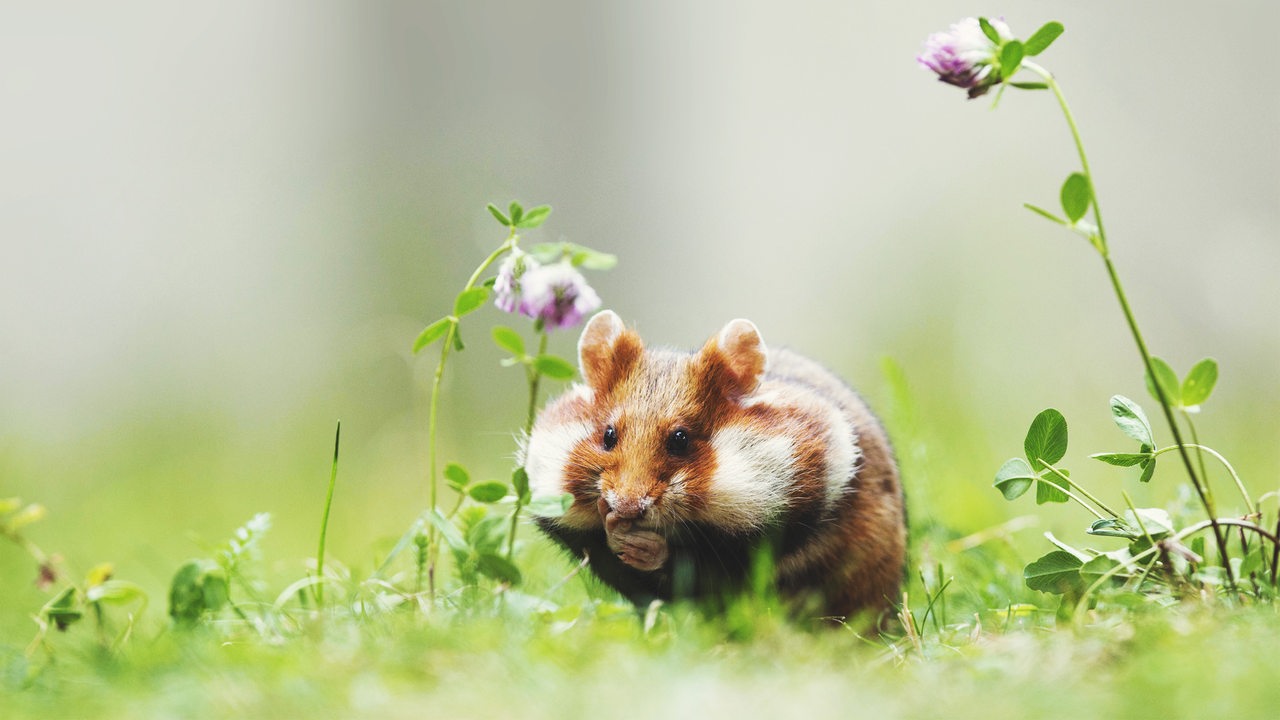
223 227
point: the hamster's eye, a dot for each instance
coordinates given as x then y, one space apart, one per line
610 439
678 442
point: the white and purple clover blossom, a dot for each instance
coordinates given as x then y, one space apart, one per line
964 56
557 294
506 286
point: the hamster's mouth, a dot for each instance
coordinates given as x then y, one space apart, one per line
615 521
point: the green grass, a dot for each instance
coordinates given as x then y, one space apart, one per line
990 647
1181 663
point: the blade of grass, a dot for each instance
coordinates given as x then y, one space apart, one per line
318 588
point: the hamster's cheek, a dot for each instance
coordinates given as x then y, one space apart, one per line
581 515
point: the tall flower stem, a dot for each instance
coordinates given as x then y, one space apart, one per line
535 379
1101 245
433 474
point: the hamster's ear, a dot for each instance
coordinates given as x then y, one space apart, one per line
607 350
735 358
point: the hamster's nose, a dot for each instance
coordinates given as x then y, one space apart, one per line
628 508
620 512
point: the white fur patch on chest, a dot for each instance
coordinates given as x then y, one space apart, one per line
752 478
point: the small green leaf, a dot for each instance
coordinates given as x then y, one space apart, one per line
483 525
115 592
988 30
1253 562
64 609
1168 380
579 256
448 531
554 367
508 339
1156 521
550 507
1122 459
1131 420
488 492
1113 527
1014 478
497 214
516 212
1041 39
534 218
520 482
1199 383
499 568
432 333
469 300
1046 438
1148 470
1197 545
592 260
1010 59
1093 570
1045 214
487 534
200 586
1075 196
1058 572
457 338
547 253
1030 85
457 476
1050 489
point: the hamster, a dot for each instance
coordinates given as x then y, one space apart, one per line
684 467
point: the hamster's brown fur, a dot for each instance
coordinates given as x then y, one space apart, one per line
683 466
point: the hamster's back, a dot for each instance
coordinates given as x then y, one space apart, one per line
857 553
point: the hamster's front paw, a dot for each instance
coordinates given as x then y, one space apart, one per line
641 549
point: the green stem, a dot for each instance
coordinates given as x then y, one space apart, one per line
324 519
1248 501
1275 554
1104 251
535 379
1075 497
1082 491
1137 518
431 456
433 413
1145 534
511 532
1075 136
1196 482
1195 439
